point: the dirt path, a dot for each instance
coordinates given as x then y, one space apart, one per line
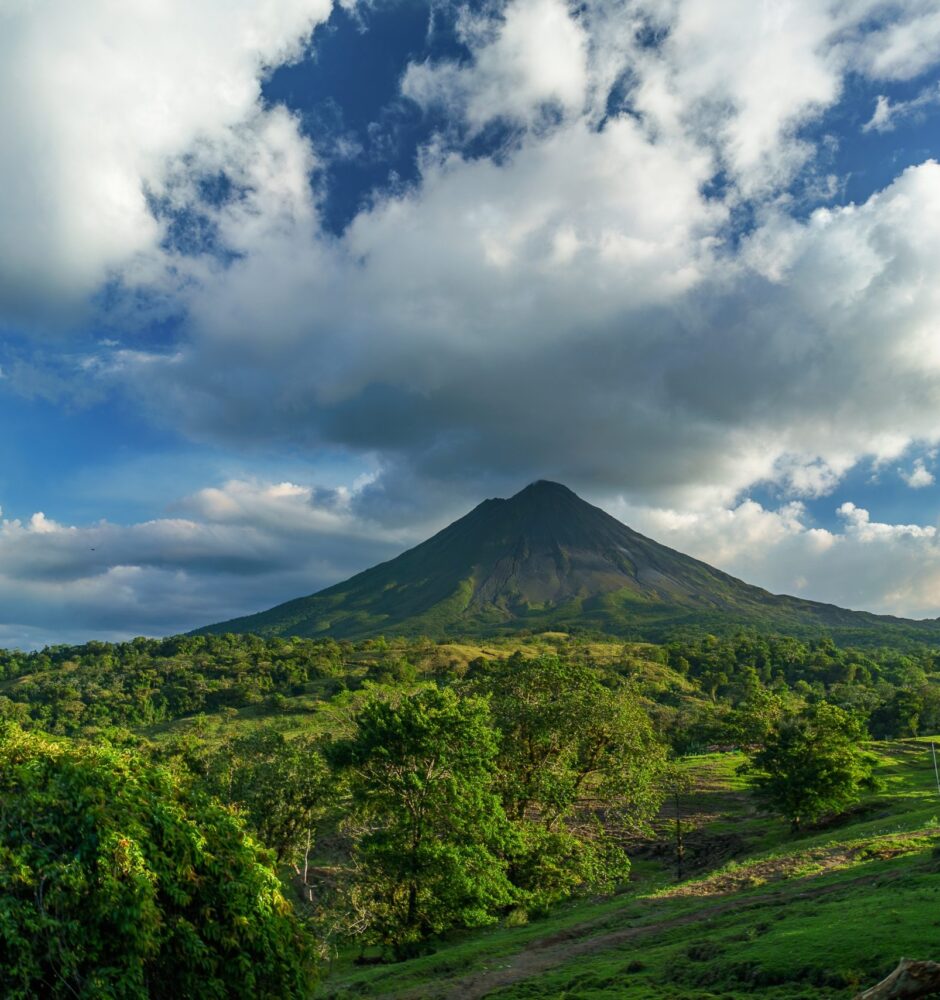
558 949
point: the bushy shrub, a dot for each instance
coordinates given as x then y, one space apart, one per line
118 881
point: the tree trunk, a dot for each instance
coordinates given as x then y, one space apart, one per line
680 846
909 981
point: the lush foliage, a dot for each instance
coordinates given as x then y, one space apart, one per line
750 679
64 689
282 787
410 787
716 689
761 914
569 745
116 881
568 738
812 764
430 826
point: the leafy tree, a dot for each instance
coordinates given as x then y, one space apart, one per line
428 822
754 719
900 714
568 740
570 747
281 786
812 764
118 881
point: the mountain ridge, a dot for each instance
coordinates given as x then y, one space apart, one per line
541 559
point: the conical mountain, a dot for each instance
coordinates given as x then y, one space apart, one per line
545 559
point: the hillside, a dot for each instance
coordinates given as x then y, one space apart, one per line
544 559
761 913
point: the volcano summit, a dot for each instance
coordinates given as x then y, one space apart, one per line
547 559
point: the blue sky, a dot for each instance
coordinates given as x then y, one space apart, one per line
284 290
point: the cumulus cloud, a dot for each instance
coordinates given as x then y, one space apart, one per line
742 76
867 565
502 322
242 546
919 476
898 47
536 56
888 113
584 304
96 103
589 268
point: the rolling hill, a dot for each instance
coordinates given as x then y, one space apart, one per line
546 559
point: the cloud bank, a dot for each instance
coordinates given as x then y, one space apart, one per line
233 548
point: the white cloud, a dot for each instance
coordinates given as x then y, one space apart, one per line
880 120
96 100
536 56
742 75
888 113
568 314
859 524
737 77
868 565
243 547
919 476
588 266
902 46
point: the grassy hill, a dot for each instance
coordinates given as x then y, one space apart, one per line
764 914
546 559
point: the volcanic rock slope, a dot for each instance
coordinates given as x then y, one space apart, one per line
546 559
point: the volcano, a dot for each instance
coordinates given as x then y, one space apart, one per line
546 559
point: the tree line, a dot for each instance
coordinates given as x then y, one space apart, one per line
75 690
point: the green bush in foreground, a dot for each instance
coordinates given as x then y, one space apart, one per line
116 882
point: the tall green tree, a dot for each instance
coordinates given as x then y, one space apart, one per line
281 786
427 821
569 740
118 881
571 749
812 764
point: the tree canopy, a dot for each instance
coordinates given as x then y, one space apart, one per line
282 787
429 823
812 764
117 880
571 749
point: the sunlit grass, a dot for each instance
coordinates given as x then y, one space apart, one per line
817 915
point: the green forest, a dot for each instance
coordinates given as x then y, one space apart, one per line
223 815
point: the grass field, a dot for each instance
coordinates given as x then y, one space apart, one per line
761 914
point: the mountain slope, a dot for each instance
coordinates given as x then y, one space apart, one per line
547 559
